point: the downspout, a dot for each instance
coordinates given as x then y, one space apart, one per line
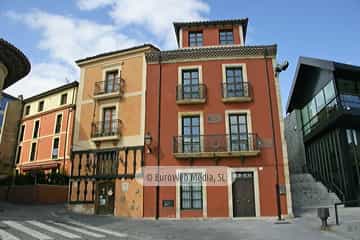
67 129
277 186
158 139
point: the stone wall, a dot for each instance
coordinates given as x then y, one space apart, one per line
295 144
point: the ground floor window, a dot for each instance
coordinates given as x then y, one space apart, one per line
191 191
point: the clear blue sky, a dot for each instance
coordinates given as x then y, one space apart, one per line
55 33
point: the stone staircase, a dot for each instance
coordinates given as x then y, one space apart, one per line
308 194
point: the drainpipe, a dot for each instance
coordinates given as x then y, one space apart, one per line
67 126
158 139
66 134
277 185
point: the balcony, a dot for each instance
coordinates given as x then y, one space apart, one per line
343 110
213 146
236 92
109 88
106 130
191 94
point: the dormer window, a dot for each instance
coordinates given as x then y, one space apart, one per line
226 37
195 39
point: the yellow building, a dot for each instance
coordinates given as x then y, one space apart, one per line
108 139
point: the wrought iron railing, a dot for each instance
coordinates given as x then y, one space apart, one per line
191 92
106 128
235 89
109 86
243 142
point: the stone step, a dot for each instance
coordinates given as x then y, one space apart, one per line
303 177
307 193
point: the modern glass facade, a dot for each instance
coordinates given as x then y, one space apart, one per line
325 98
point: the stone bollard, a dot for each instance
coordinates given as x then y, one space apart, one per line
323 214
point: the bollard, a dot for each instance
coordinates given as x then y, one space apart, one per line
323 214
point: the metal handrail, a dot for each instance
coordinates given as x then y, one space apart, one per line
342 203
106 128
235 89
191 91
335 104
216 143
339 191
117 85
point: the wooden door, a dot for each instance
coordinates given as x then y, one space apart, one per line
243 194
105 197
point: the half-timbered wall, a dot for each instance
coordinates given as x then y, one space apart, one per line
89 167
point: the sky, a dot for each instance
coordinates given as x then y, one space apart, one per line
53 34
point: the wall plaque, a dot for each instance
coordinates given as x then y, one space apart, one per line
168 203
214 118
266 143
125 186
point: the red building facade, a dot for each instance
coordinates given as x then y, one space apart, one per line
214 103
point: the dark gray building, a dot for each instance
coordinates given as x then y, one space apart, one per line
324 115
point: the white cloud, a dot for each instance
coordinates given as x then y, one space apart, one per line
43 77
68 39
93 4
156 16
65 40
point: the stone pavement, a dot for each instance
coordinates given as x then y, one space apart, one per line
54 222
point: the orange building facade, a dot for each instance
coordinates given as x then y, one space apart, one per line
108 149
45 131
216 110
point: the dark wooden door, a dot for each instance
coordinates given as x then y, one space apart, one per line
105 197
243 194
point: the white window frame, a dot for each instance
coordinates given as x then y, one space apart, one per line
248 121
234 65
64 93
25 107
108 105
35 156
18 154
62 118
192 67
38 105
186 114
33 130
18 140
110 68
178 191
52 148
256 190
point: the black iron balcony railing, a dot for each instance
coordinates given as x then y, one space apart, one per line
244 142
109 86
336 105
106 128
190 92
235 89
